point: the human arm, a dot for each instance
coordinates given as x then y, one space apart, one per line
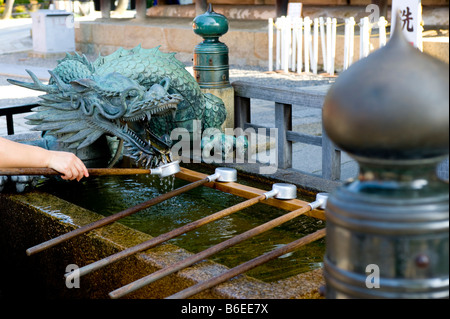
13 154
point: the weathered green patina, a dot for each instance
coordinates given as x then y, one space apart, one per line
127 94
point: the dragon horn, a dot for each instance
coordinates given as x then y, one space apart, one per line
68 56
36 85
59 83
165 83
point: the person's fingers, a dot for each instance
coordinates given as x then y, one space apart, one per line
69 165
73 171
82 170
67 175
78 172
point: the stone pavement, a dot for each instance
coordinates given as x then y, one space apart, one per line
15 35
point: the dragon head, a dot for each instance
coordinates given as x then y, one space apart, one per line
81 111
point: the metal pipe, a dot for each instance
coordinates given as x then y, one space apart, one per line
110 219
242 268
118 293
280 190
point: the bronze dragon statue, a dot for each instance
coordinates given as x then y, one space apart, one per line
137 96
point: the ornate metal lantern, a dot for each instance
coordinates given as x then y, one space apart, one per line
211 67
387 231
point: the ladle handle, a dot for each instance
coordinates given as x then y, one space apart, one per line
92 171
120 292
242 268
167 236
112 218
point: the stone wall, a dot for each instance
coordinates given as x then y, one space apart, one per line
247 40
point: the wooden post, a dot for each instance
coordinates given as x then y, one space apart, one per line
141 9
105 8
331 159
200 7
283 122
241 111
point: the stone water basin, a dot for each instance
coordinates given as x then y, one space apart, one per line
56 207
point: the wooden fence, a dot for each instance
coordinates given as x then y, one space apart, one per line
297 41
285 100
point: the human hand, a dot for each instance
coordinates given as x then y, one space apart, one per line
68 164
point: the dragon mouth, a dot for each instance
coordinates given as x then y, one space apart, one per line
147 112
85 109
144 147
148 153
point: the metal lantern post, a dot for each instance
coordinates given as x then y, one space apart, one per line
211 60
387 231
211 67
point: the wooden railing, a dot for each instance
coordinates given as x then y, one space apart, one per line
9 111
285 99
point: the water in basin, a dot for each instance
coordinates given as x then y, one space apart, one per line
107 195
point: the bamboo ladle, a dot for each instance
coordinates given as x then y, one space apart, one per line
163 171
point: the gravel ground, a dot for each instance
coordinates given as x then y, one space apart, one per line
22 58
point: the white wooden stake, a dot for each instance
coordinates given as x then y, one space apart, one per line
289 41
316 45
382 23
365 37
351 40
361 38
270 28
333 44
278 50
322 38
329 54
346 42
307 27
286 45
300 45
294 45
